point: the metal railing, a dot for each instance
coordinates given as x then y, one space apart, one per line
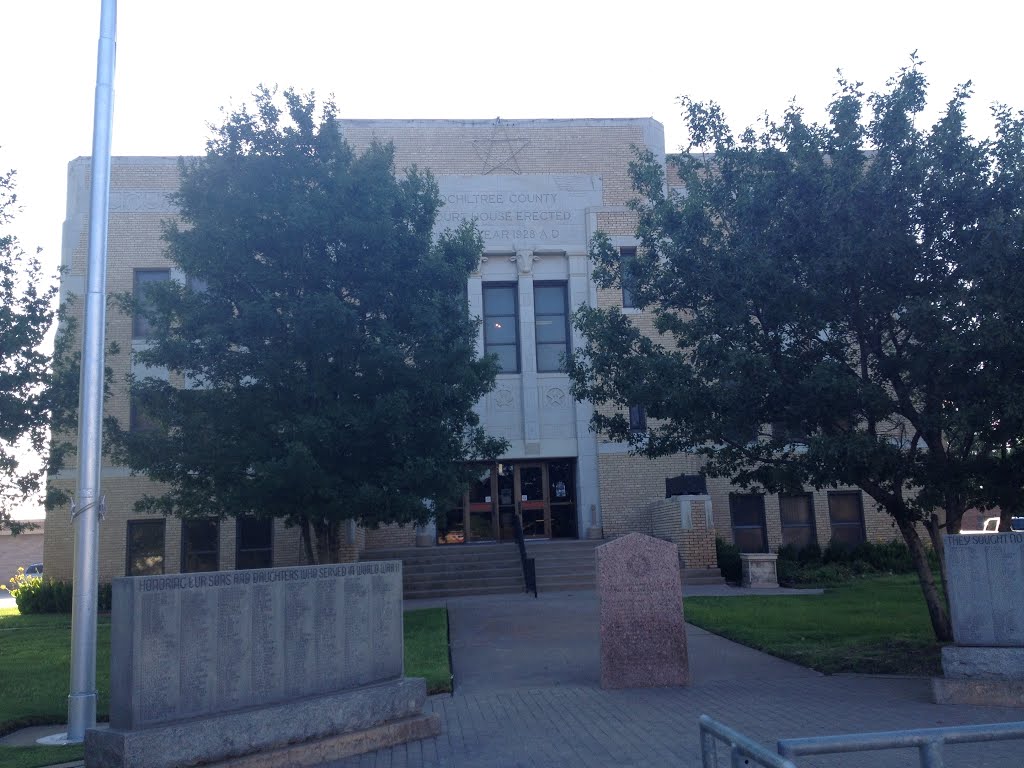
740 747
928 741
529 566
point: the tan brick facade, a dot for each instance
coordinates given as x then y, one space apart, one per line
615 493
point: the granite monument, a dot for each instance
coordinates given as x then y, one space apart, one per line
643 638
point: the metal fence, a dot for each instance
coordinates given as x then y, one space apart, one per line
740 747
929 743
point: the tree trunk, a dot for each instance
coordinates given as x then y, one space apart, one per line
328 541
937 611
931 524
306 534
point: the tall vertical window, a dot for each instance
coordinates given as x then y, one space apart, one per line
200 545
501 333
846 514
797 517
254 542
748 528
144 278
145 548
551 318
637 418
626 258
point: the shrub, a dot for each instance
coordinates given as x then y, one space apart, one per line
44 596
729 560
49 596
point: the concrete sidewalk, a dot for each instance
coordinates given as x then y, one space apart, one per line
527 693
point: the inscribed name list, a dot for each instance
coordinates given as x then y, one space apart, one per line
194 644
985 572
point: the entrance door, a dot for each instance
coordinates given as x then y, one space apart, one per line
480 510
543 493
533 500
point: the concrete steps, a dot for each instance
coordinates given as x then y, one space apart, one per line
492 569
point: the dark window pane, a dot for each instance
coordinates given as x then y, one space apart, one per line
507 358
626 256
749 539
847 518
549 299
795 510
550 357
500 330
451 527
480 491
844 508
145 551
637 418
551 329
747 509
847 535
563 521
254 543
531 483
143 278
798 537
562 481
499 300
200 545
501 335
748 525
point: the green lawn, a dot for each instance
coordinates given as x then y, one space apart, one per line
35 665
873 625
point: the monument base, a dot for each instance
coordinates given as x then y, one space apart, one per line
303 732
759 570
982 675
978 691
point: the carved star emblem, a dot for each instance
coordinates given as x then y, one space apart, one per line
500 152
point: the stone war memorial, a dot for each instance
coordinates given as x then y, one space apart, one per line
643 638
985 665
277 666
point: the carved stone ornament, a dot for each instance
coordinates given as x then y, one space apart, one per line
524 259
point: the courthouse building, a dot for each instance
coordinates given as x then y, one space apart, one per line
538 190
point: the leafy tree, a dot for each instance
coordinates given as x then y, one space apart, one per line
855 284
26 314
321 354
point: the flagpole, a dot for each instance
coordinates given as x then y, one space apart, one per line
86 510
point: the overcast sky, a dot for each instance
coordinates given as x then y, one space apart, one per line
179 61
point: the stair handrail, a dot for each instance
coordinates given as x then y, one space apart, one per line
529 566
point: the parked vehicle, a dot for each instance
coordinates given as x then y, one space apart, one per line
991 525
34 571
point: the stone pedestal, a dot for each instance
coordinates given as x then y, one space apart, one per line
986 665
208 667
643 639
759 570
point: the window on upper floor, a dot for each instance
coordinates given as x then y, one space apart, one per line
142 280
626 258
501 324
637 418
551 319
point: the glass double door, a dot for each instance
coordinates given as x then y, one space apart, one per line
500 493
541 493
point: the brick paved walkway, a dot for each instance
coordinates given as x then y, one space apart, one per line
527 695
